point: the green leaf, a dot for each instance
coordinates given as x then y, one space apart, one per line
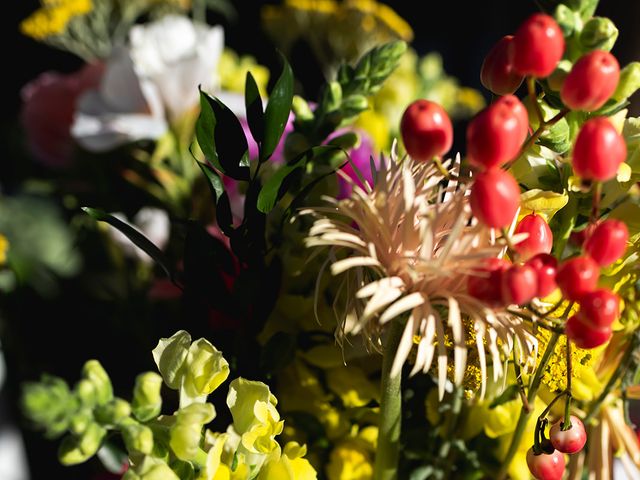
112 457
138 239
222 138
253 106
277 112
213 180
510 393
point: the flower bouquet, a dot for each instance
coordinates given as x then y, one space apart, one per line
388 308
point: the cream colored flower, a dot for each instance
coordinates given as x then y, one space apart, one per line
404 248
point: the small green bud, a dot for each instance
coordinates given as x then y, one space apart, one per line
114 412
137 437
301 109
629 82
332 96
78 449
346 141
94 372
599 33
147 401
49 404
80 421
354 104
91 439
566 19
86 391
186 433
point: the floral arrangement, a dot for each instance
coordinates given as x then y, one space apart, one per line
403 310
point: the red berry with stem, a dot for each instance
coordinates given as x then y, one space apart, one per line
519 284
585 336
495 198
571 440
591 82
496 134
600 308
486 284
497 73
577 276
540 239
546 267
538 46
426 130
546 466
608 242
599 150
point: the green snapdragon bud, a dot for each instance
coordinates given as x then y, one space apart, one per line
353 105
147 401
80 421
379 63
113 412
599 33
301 109
332 96
566 19
138 438
205 370
94 372
170 355
86 391
49 404
77 449
629 82
186 432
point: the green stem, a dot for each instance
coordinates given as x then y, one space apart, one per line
566 425
387 452
531 86
531 397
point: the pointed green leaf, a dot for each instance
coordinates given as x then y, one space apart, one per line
138 239
205 126
253 106
278 109
213 180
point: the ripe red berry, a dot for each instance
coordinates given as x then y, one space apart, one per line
579 237
600 308
585 336
426 130
486 284
545 266
519 284
591 82
497 72
577 276
568 441
495 198
599 150
496 134
607 242
538 46
540 238
546 466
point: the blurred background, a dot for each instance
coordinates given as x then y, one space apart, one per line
57 334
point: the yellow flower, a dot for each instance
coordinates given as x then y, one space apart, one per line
289 466
351 385
4 248
52 19
233 72
350 460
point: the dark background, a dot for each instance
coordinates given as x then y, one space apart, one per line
461 31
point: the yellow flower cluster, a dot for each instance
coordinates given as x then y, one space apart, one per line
52 19
4 248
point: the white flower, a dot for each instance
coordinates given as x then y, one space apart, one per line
153 223
151 82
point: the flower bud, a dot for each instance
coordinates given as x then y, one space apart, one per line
94 372
48 404
86 392
80 421
187 430
113 412
332 96
566 19
169 355
354 104
301 108
206 369
150 468
78 449
599 33
629 82
147 400
137 437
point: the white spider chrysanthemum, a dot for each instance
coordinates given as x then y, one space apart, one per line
404 248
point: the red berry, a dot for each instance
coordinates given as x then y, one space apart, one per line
486 284
600 308
585 336
546 466
540 238
577 276
426 130
538 46
496 134
519 284
579 237
607 242
571 440
497 72
591 82
599 150
495 198
545 266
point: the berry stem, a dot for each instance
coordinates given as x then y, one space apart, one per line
518 372
541 129
566 425
595 209
531 87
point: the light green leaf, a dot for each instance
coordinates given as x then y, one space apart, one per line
543 203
